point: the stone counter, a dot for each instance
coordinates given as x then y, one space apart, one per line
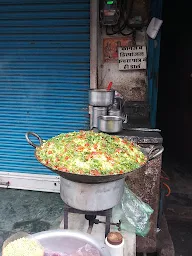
145 183
142 137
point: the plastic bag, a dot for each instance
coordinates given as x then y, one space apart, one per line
133 213
86 250
118 215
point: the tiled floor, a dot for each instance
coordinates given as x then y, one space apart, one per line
28 211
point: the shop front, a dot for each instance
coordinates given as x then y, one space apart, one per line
44 82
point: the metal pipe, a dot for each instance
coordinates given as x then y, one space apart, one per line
90 228
94 14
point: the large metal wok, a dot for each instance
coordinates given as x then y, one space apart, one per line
150 153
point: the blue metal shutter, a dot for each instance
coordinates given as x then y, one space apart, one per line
44 75
153 63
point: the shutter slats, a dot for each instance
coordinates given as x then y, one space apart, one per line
44 75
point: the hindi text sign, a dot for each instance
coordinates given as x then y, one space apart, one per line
131 58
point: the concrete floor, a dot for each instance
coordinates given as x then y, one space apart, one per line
179 205
28 211
181 233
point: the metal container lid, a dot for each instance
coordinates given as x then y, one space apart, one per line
110 118
99 108
115 112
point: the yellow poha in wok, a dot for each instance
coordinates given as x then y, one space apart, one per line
90 153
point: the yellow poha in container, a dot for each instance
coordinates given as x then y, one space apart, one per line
23 247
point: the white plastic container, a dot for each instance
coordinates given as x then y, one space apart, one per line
115 248
154 27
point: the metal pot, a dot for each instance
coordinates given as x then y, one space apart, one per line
101 97
91 197
98 111
67 241
114 112
110 124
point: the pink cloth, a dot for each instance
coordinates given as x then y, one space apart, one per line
86 250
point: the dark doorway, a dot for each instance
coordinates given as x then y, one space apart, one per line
174 114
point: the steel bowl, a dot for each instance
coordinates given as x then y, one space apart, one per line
101 97
67 241
87 197
110 124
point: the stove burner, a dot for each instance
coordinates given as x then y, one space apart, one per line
92 220
90 216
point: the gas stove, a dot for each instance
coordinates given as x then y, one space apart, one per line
95 224
91 217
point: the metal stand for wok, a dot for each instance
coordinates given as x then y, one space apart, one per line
90 216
